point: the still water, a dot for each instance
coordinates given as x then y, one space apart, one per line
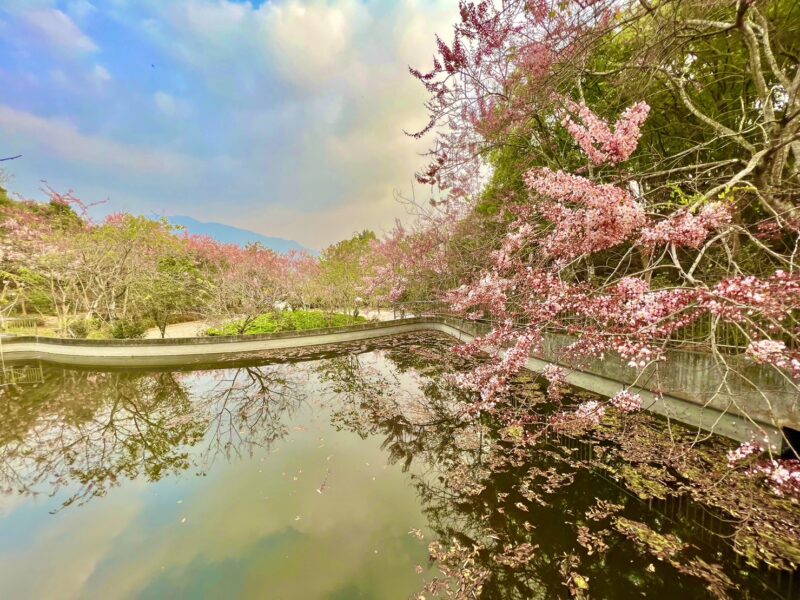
329 475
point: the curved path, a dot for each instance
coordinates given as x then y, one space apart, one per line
690 393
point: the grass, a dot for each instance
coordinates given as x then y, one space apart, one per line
298 320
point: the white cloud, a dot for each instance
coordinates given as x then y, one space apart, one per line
309 41
57 30
348 100
101 74
165 103
80 9
63 140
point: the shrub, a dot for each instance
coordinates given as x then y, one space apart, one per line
127 329
78 328
298 320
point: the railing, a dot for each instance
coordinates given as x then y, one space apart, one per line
19 324
727 337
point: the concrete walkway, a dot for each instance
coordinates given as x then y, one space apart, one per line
189 329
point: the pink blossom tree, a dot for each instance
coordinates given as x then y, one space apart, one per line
244 282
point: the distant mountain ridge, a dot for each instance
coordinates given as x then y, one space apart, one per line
227 234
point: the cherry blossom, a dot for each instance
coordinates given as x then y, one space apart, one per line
627 401
685 228
775 352
742 297
596 138
489 293
556 379
496 47
587 217
745 450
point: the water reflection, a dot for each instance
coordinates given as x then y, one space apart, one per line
88 431
304 487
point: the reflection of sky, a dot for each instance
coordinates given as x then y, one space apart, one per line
233 532
292 111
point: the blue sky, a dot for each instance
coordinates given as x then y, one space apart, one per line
284 117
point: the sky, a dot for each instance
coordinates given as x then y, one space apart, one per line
284 117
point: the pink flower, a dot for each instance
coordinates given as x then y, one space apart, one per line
556 379
745 450
627 402
686 229
783 477
598 141
590 412
587 217
775 353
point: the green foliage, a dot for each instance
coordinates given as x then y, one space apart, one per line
86 328
78 328
298 320
175 287
341 271
124 329
4 199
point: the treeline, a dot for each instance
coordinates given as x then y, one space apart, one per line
118 277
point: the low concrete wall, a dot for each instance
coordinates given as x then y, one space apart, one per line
734 402
178 351
738 402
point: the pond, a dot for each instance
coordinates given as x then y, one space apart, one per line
355 473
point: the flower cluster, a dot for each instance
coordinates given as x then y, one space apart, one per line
587 415
783 477
596 138
745 450
536 60
403 256
604 215
742 297
489 292
775 353
627 402
491 380
638 354
590 411
557 382
686 229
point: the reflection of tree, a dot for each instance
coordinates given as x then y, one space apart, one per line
91 430
247 409
88 431
369 397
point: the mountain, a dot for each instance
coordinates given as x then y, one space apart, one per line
227 234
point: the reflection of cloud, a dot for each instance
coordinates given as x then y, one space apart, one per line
10 502
231 526
58 560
